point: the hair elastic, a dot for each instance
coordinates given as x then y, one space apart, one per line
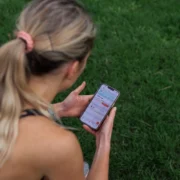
28 40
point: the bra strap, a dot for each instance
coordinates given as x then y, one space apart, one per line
30 112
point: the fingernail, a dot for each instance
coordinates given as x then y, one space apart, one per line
115 108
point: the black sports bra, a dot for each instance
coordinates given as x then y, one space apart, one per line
31 112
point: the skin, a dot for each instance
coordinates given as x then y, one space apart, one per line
45 149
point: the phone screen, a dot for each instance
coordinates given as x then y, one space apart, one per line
99 106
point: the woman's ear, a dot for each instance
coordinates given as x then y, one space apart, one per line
73 70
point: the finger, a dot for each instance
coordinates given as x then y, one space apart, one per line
112 113
87 97
79 89
89 129
110 119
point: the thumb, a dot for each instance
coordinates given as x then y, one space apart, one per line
79 89
110 119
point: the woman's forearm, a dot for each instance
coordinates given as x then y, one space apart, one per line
100 166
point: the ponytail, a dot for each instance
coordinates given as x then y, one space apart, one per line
14 93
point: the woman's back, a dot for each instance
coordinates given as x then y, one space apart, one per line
37 144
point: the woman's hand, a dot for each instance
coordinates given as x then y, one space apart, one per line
103 135
74 104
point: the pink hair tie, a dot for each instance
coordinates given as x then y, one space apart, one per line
28 40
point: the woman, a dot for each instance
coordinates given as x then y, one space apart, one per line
54 41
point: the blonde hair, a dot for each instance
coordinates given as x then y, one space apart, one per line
62 31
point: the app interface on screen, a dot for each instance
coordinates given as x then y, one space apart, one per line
99 106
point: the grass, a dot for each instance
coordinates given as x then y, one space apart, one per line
137 51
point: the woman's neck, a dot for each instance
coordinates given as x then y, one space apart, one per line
46 88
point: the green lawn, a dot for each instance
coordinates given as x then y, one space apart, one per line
137 51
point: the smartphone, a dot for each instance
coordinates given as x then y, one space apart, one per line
99 107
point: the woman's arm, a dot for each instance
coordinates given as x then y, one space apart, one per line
100 166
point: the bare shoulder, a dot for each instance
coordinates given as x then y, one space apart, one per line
40 127
48 143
